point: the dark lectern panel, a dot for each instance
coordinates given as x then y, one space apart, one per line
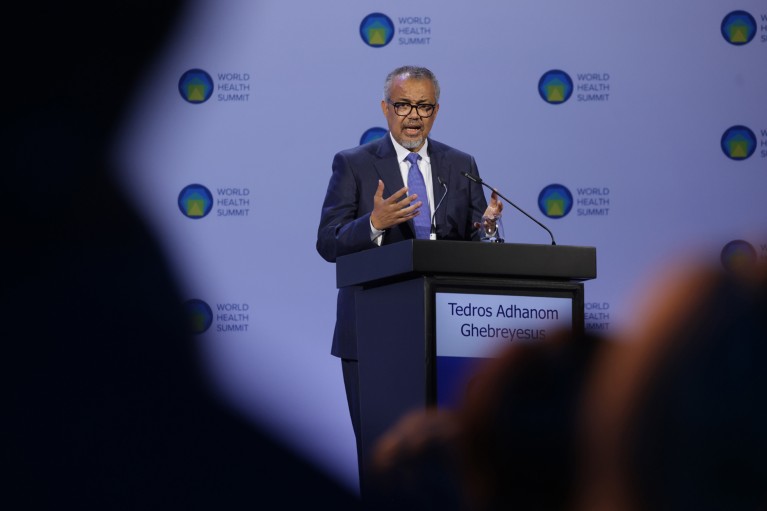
442 257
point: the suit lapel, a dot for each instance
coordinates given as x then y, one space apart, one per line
440 169
387 168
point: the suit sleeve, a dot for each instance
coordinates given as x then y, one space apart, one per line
345 220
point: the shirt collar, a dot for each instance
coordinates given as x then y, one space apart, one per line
402 152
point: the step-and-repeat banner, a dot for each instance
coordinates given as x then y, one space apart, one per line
639 128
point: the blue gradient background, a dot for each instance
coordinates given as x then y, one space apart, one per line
675 87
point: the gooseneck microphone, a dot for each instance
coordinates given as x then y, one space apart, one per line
433 233
478 180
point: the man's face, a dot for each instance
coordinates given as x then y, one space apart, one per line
410 130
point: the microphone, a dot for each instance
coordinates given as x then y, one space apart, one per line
433 233
479 181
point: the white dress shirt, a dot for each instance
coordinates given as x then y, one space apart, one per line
424 163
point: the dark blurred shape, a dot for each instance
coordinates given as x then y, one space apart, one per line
676 417
106 403
520 435
511 444
417 463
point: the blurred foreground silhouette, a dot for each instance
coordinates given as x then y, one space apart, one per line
676 417
106 403
667 415
510 444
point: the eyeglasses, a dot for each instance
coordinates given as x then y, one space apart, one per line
403 109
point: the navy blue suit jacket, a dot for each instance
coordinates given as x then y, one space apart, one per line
345 220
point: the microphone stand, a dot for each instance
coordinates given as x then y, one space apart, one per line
433 233
478 180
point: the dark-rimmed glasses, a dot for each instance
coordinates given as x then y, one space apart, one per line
423 109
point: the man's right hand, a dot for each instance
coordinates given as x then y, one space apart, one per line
398 208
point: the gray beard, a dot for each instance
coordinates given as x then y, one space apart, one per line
410 144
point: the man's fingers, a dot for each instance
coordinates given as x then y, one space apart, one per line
406 213
396 196
395 209
412 210
379 190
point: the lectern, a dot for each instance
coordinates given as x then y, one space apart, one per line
429 311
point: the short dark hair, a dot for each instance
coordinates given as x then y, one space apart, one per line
414 72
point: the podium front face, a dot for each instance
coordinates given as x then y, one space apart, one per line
420 340
474 320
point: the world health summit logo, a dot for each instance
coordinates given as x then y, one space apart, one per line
199 315
555 87
195 201
373 134
555 201
738 143
377 30
738 255
195 86
738 28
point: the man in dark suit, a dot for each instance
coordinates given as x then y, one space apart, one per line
368 203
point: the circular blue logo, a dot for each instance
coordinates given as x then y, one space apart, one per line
373 134
195 86
738 143
195 201
555 201
377 30
555 87
738 28
738 255
199 315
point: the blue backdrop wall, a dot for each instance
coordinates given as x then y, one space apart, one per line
639 128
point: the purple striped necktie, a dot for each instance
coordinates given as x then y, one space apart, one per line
416 185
